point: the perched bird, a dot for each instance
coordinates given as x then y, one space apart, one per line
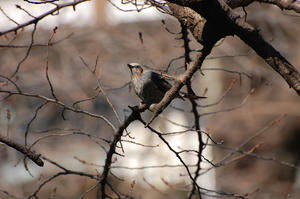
149 86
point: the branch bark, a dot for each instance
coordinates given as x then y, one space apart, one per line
35 157
221 21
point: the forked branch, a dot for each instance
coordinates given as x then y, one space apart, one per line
208 19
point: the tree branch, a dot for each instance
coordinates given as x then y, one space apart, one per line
135 115
181 81
222 21
35 157
37 19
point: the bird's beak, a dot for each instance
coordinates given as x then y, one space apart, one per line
130 66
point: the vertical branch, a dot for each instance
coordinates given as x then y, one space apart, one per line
187 60
186 41
199 133
160 135
47 64
135 115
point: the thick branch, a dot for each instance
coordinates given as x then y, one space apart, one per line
265 50
221 20
282 4
35 157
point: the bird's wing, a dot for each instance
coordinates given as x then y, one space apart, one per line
162 84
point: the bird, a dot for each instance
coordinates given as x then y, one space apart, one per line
150 86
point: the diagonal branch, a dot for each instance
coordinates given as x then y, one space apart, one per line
222 21
181 81
35 157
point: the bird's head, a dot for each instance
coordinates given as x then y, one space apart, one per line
135 69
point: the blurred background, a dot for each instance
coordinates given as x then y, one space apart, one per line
99 32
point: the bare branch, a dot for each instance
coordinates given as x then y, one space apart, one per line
258 133
222 21
47 65
101 88
35 157
232 108
192 68
70 108
27 52
37 19
222 97
8 17
135 115
36 45
8 194
32 119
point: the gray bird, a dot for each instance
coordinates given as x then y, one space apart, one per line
148 85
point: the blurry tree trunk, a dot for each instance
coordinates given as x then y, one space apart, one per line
100 12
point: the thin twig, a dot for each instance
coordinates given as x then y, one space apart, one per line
70 108
39 18
47 65
27 51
